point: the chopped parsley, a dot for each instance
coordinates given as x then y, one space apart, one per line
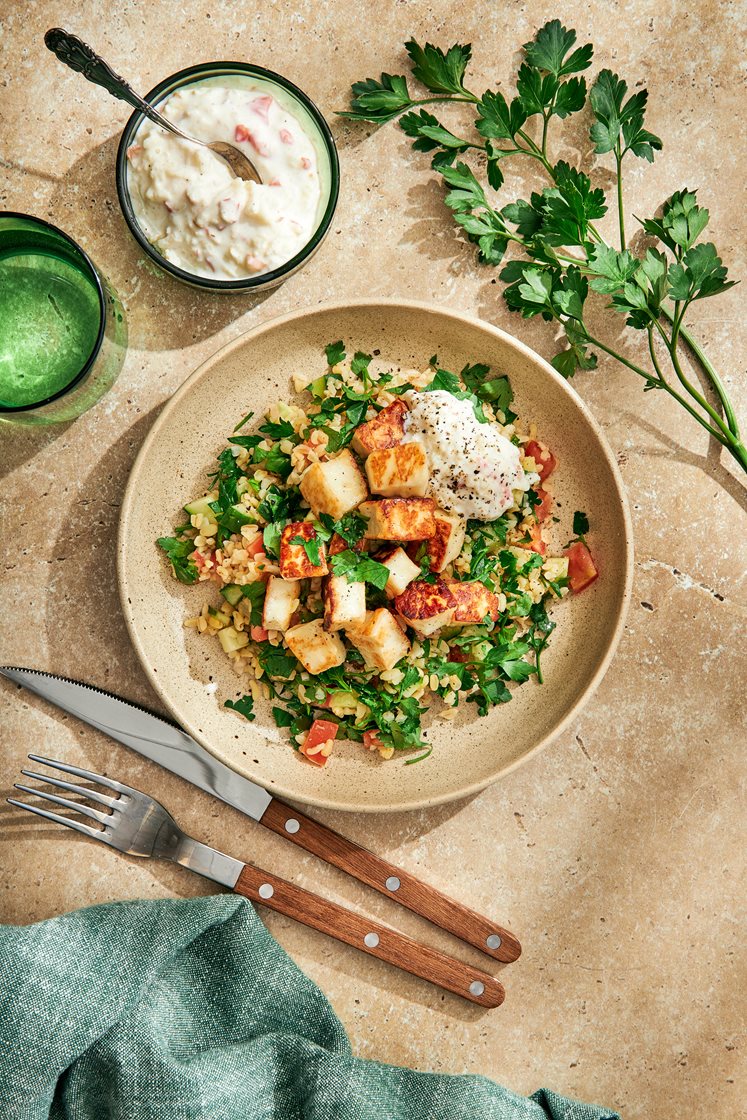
357 567
178 553
244 706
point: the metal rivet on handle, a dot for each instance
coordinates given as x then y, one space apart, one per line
392 883
477 988
493 941
371 940
292 825
266 890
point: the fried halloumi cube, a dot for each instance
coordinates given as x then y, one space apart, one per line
315 648
398 472
380 639
335 486
400 519
295 562
281 601
401 571
474 601
385 430
446 544
344 603
426 607
338 544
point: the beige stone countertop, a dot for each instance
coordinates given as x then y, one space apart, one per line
616 854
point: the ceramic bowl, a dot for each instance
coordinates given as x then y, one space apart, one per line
253 372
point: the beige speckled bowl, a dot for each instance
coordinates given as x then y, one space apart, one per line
254 372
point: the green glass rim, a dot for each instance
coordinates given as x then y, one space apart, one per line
86 260
187 77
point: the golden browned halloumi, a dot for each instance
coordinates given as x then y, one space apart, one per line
401 571
400 519
294 562
344 603
474 601
446 544
281 601
398 472
335 486
316 649
426 607
380 639
385 430
337 544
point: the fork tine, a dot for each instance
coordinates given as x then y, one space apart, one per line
79 773
77 806
84 791
94 832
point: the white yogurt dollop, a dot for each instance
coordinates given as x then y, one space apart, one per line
190 206
473 468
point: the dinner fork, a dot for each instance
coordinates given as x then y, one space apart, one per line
138 825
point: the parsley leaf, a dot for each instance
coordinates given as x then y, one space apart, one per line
335 352
359 366
255 593
283 429
359 568
443 379
619 123
178 552
549 51
310 547
440 72
244 706
379 102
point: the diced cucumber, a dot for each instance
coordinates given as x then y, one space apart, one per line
221 617
201 506
231 594
234 517
231 640
318 388
343 703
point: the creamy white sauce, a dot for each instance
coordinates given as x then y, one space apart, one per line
473 468
189 205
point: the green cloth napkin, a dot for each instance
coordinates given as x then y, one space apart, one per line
173 1010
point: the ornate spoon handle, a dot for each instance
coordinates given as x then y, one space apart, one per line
83 59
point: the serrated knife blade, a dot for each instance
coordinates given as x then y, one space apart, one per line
148 734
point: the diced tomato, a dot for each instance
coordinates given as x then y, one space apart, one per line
261 106
545 460
258 633
305 163
286 136
243 135
581 567
320 732
543 507
536 544
456 653
371 740
256 547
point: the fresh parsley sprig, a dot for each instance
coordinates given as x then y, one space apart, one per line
565 261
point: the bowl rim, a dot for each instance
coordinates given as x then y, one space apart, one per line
13 409
250 283
278 789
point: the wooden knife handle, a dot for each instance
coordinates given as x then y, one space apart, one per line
373 938
392 881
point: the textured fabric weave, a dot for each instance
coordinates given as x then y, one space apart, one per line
178 1010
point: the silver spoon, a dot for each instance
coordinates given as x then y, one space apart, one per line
80 57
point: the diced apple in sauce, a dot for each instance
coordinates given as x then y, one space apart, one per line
335 487
380 639
398 472
474 602
385 430
294 561
400 519
344 603
401 571
446 544
426 607
315 648
281 601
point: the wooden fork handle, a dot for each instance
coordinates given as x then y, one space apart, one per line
372 937
392 881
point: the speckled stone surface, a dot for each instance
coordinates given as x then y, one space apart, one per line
617 855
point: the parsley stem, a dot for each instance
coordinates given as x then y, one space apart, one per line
726 404
620 210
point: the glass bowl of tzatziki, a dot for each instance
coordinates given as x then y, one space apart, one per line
184 206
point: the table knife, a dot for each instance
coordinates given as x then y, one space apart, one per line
168 745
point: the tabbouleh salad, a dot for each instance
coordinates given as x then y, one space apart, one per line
377 549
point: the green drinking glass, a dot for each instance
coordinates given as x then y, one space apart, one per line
63 333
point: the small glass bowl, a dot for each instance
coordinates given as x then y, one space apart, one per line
313 123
